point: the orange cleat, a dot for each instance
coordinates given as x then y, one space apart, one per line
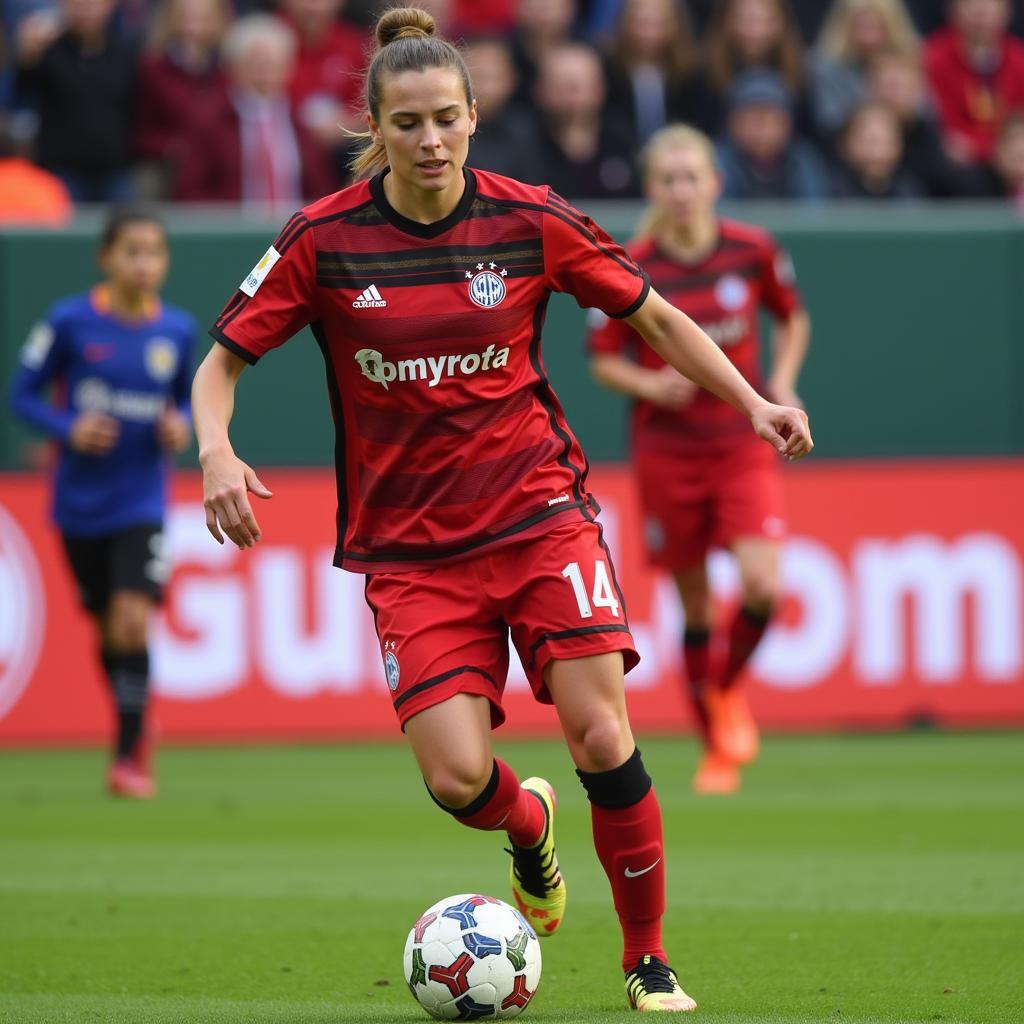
733 729
716 775
125 779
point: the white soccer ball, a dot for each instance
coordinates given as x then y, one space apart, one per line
471 957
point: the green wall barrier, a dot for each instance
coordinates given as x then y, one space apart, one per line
918 316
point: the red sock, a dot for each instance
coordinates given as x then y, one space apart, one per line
504 805
697 661
745 634
630 847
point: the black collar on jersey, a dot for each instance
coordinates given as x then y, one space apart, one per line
414 227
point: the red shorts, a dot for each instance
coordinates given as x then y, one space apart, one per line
700 502
445 631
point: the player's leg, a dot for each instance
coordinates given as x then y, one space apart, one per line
452 745
125 628
716 773
589 694
137 571
445 655
749 522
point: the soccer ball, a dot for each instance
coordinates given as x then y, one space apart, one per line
472 957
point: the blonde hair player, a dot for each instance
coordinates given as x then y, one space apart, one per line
704 480
461 490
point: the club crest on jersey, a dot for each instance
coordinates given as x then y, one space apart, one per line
487 284
161 359
732 292
391 667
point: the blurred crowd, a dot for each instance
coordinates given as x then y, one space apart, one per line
247 100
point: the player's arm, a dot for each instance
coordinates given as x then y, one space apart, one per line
664 387
790 341
44 359
684 346
226 478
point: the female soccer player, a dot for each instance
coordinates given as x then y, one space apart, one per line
704 479
461 490
122 360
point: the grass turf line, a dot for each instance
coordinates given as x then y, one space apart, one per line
855 879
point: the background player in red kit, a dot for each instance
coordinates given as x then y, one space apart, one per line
461 490
705 480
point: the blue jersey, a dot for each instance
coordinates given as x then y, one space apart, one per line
131 371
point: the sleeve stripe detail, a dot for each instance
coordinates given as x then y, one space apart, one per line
293 230
631 267
232 346
640 300
233 303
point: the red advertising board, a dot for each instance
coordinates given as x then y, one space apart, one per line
904 601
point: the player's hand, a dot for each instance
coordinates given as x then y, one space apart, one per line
94 433
173 431
785 428
669 389
227 482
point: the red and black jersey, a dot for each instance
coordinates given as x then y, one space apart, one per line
723 294
449 436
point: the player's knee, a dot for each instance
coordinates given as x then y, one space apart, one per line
128 626
455 786
603 742
761 593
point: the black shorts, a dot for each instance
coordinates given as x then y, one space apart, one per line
131 559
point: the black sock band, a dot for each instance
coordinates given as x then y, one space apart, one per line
696 637
620 787
756 618
129 679
478 804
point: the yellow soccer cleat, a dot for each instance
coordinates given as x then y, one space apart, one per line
652 986
537 883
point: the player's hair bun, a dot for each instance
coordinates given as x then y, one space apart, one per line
403 23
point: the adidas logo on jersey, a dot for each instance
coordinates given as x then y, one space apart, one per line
370 298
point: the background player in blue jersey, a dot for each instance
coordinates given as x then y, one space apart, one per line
107 375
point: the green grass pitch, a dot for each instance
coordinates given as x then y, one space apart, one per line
855 879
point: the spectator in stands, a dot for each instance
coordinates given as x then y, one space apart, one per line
808 15
586 156
325 86
896 80
541 26
83 84
248 146
507 138
477 18
976 72
1006 176
28 194
871 157
652 60
180 74
761 156
745 35
853 33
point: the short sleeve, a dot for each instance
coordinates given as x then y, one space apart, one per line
607 336
778 282
275 299
582 260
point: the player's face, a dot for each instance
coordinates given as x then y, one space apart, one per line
425 126
683 184
137 260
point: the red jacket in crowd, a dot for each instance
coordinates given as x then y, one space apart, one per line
972 104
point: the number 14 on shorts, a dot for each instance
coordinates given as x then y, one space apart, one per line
602 595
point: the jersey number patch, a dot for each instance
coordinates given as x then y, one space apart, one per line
603 594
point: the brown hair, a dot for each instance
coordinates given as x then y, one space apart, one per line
406 41
678 56
723 62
